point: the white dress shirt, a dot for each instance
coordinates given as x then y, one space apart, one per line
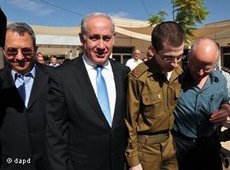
28 83
107 73
131 63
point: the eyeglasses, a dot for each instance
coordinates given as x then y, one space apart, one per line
203 69
27 52
170 59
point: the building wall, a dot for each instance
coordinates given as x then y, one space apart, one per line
130 34
71 51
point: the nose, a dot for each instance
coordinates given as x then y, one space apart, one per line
200 72
19 55
174 63
101 44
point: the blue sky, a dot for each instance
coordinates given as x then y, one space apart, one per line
70 12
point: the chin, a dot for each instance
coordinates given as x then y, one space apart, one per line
169 69
101 61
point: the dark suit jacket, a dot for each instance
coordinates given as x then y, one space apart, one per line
78 134
3 21
22 134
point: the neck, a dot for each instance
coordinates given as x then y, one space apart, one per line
200 83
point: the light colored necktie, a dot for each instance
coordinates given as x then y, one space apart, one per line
20 85
102 95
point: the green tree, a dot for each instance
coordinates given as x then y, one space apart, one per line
156 19
187 12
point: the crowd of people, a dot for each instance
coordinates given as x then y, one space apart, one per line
53 62
94 113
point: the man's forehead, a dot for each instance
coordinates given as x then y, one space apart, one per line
168 49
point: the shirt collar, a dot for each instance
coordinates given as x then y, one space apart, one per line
189 81
92 65
32 72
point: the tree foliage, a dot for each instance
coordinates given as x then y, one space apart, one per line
156 19
187 12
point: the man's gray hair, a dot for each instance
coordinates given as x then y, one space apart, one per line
95 14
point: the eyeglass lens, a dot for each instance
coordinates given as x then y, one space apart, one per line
24 51
172 58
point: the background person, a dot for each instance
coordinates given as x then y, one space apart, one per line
23 96
79 134
153 89
135 60
224 133
40 58
53 61
202 106
149 54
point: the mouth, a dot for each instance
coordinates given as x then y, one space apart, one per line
21 63
100 54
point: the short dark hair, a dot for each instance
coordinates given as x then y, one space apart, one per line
21 28
168 32
53 56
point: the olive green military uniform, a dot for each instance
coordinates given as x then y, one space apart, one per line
151 100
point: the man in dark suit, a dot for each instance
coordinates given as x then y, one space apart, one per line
23 106
80 134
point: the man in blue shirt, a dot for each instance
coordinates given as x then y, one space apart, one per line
201 108
23 96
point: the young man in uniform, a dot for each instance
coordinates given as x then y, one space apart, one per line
153 89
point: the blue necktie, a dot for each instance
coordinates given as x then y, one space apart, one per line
102 95
20 85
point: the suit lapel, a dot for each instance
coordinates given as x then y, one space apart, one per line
7 78
87 88
118 83
9 91
40 81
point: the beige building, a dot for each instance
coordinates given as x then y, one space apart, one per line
220 32
64 41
